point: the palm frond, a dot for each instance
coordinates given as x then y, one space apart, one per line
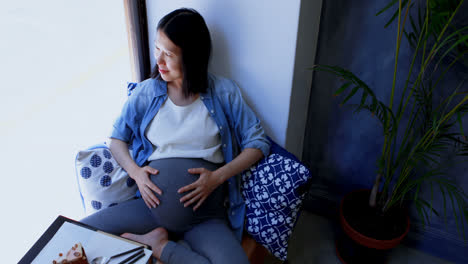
395 13
368 100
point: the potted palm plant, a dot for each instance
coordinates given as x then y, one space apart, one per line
422 122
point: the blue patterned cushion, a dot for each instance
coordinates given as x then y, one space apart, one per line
101 181
274 189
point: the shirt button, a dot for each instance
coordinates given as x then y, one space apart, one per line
212 111
232 213
221 128
201 97
224 145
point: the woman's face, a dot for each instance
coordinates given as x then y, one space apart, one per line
169 59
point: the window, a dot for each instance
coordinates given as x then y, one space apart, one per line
65 65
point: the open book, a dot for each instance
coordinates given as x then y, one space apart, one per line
63 233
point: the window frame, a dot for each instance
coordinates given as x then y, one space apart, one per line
137 35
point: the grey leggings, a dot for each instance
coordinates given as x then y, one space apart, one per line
205 230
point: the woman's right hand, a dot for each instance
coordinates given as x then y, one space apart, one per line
146 186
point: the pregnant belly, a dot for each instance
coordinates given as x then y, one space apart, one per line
173 175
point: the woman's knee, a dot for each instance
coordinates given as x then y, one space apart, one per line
133 217
215 240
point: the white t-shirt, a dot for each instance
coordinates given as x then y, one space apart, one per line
184 132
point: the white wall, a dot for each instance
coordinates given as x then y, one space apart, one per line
254 43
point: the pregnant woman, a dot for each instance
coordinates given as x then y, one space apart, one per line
191 134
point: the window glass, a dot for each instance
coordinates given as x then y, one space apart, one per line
64 68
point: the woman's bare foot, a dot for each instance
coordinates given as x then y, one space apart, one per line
157 239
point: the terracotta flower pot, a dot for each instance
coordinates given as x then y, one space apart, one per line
376 246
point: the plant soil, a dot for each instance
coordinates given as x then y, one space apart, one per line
369 221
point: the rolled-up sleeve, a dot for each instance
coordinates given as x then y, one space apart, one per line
258 142
247 126
126 124
121 130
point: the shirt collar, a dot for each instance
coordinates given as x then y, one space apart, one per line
161 89
208 93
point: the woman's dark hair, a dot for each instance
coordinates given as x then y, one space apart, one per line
187 29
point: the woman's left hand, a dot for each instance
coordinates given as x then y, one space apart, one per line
201 188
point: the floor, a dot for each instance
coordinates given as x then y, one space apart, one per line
313 242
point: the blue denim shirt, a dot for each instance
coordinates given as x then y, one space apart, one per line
238 126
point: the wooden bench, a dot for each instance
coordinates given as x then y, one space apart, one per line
255 252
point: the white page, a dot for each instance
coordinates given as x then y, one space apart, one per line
94 243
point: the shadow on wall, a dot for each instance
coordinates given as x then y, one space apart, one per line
222 62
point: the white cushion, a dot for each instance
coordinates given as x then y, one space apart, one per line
102 182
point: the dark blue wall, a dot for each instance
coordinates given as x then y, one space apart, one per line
341 148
